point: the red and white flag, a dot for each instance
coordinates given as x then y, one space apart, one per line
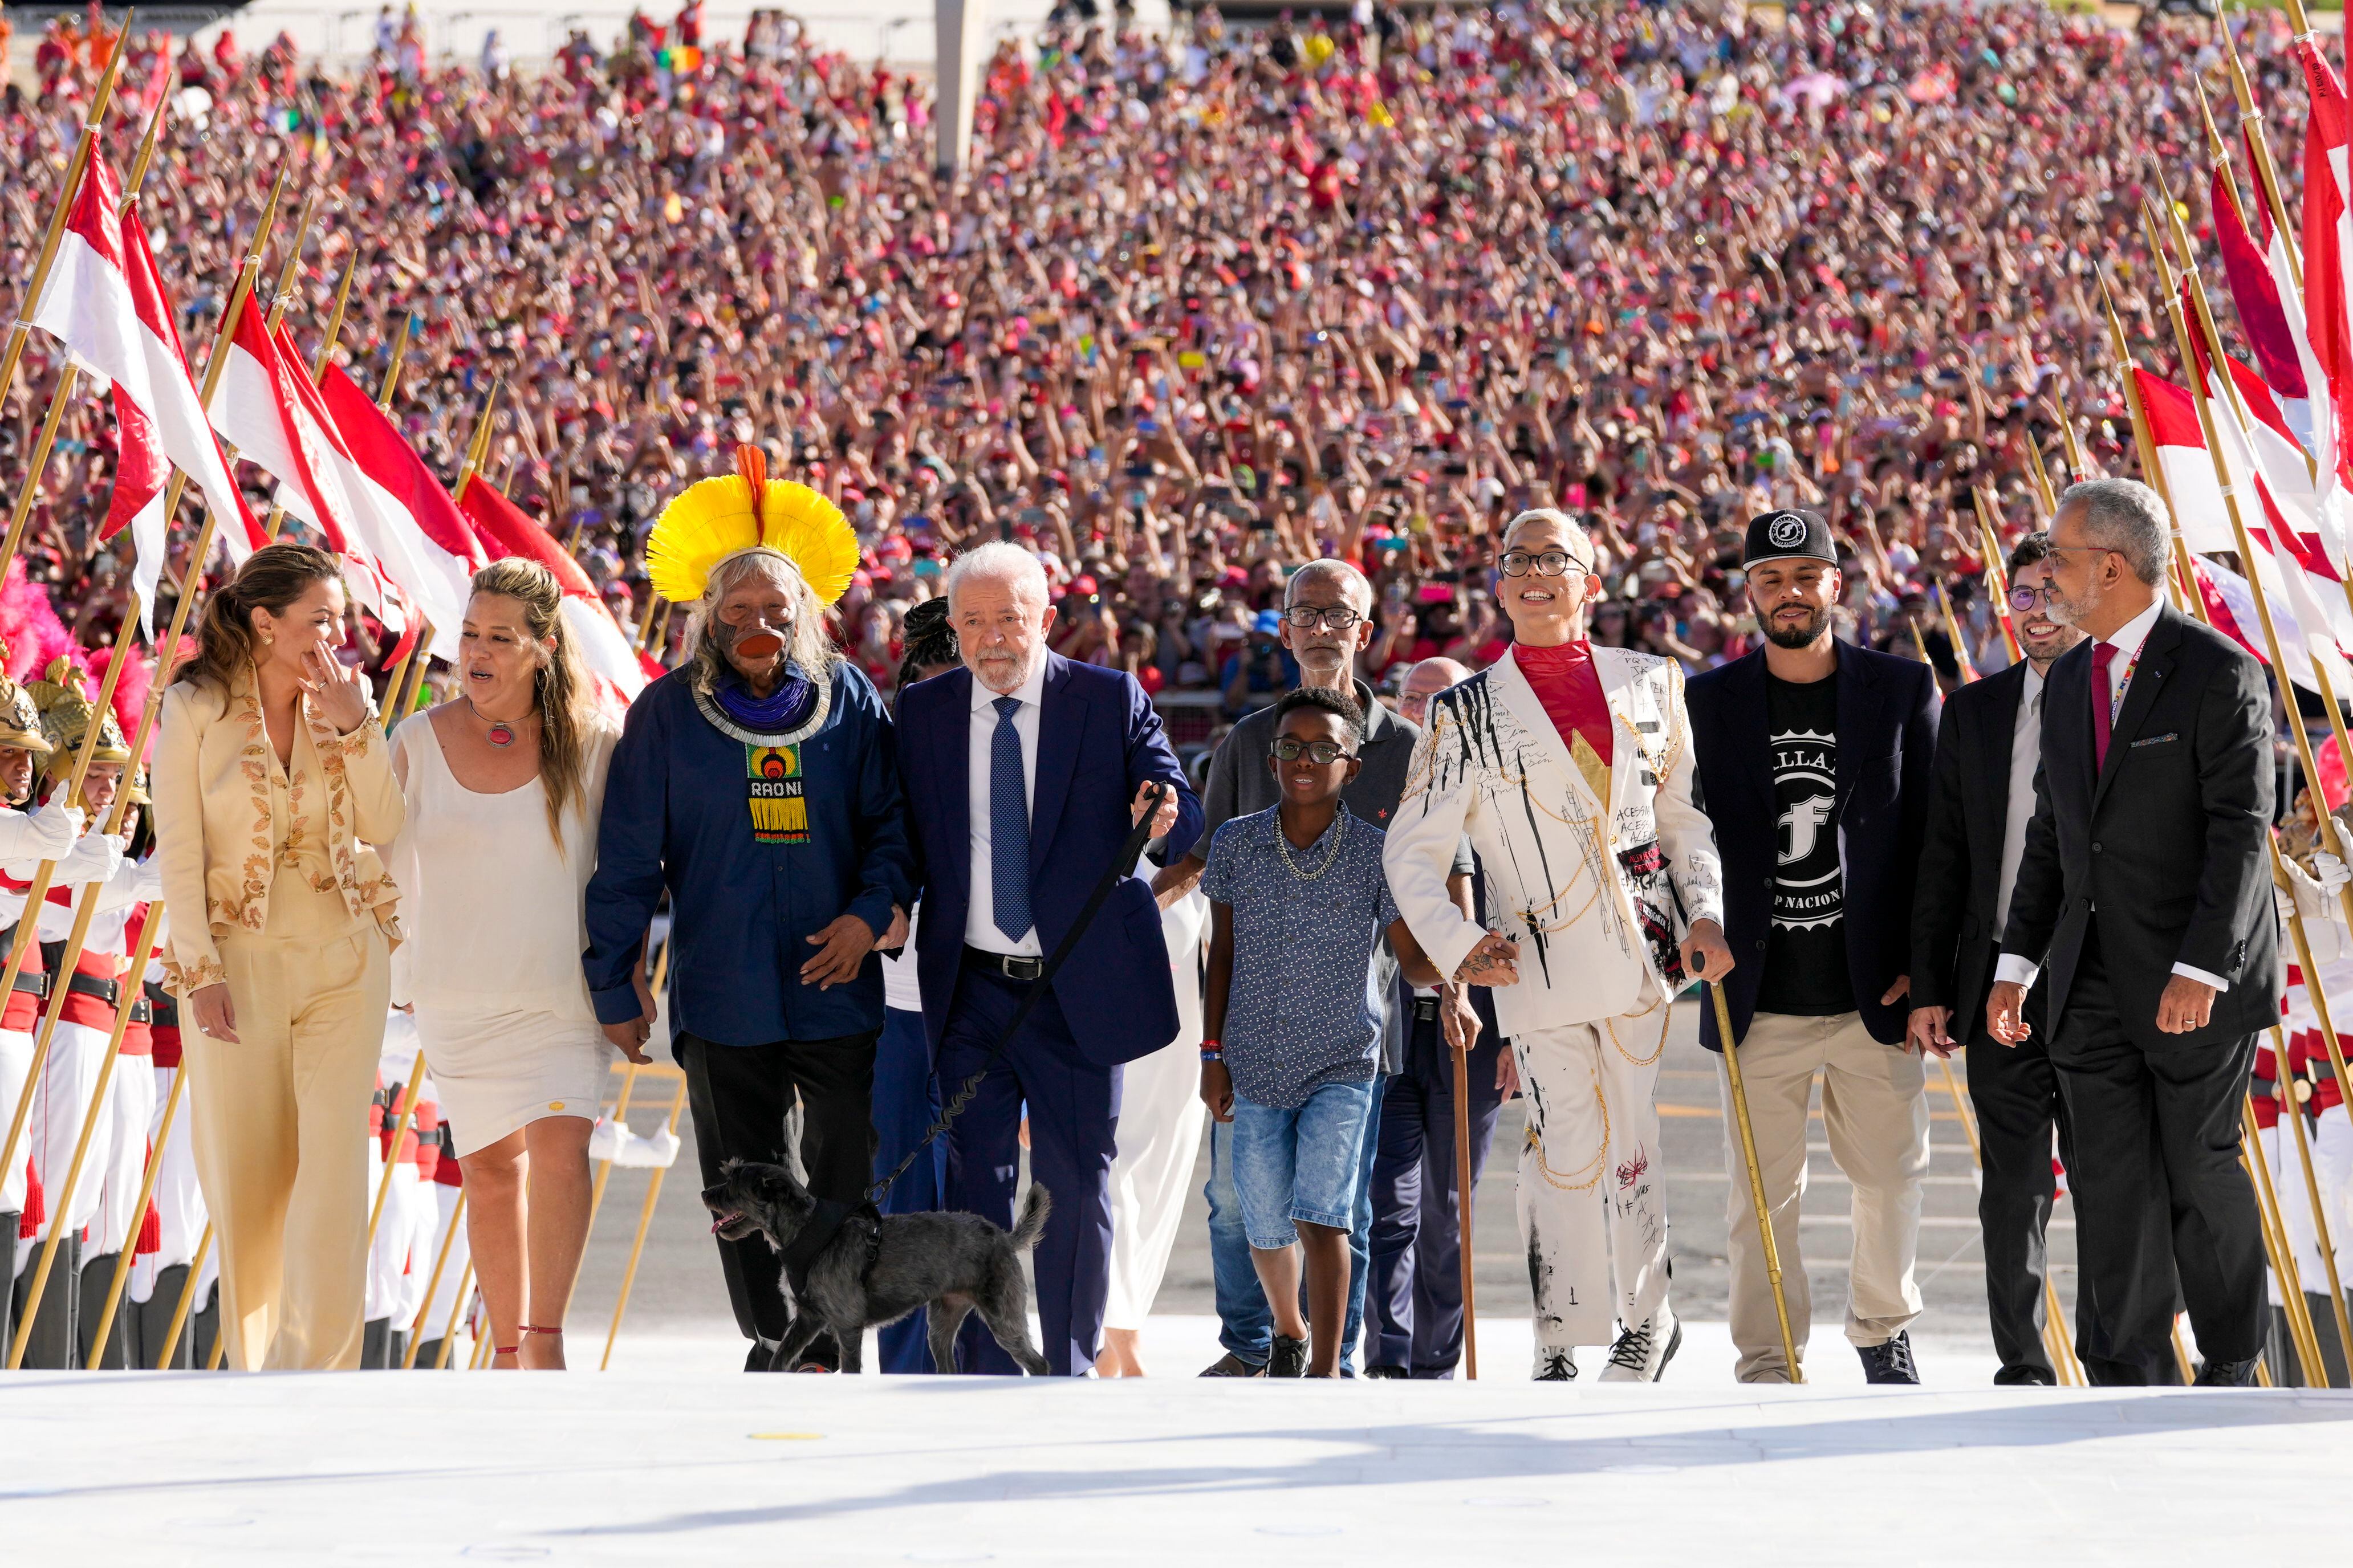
415 530
2327 304
507 530
105 302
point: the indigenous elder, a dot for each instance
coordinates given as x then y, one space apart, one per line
505 785
755 784
1570 768
1326 622
271 773
1814 761
1025 772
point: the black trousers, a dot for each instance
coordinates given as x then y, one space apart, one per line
2158 1188
740 1096
2015 1093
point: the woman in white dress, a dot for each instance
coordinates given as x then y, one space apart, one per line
504 785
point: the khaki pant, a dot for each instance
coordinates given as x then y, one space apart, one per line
281 1124
1875 1110
1590 1178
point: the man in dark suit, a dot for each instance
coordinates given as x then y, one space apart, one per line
2144 891
1024 772
1813 761
1988 750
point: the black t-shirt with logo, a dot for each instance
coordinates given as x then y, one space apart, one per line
1805 955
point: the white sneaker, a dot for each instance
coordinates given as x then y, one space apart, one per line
1556 1365
1643 1352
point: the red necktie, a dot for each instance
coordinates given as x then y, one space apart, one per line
2103 703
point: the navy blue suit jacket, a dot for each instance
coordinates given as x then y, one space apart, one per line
1887 710
1099 740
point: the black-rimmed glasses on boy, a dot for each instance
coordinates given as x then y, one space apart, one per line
1325 752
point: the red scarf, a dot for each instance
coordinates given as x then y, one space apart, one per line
1567 684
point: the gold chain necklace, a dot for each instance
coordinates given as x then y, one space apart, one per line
1339 831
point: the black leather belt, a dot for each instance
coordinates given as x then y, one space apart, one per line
32 985
163 1008
106 991
1010 965
1425 1009
141 1012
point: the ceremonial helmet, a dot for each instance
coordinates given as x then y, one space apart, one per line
713 520
62 697
20 721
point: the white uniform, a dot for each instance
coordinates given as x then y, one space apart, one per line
27 839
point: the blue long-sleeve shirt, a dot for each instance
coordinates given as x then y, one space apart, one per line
760 851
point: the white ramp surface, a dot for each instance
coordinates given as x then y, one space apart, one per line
663 1466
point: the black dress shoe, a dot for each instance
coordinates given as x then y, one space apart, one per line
2024 1377
1290 1358
1395 1372
1231 1365
1890 1363
2227 1375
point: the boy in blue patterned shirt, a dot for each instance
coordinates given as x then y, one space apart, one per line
1298 902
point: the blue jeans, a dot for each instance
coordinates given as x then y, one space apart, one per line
1245 1323
1300 1165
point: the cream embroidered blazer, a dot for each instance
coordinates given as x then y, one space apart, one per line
225 830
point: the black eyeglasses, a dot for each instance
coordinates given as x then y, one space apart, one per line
1339 618
2027 598
1550 564
1325 752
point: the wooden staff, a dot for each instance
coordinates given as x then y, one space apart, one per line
334 328
486 1348
646 621
2078 466
620 1125
122 1259
187 1287
1461 1055
62 1203
433 1284
2259 146
392 1155
38 892
2283 1091
84 147
457 1310
2042 490
220 1348
1991 542
1953 630
645 1223
1756 1178
2283 1253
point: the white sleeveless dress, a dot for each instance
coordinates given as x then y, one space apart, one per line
492 910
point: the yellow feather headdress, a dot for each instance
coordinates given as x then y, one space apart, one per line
713 520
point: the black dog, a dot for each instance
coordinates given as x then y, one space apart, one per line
849 1271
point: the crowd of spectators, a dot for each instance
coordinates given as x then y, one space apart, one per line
1209 305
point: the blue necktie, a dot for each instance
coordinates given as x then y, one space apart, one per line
1008 825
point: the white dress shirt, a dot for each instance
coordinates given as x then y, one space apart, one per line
2025 757
980 913
2127 639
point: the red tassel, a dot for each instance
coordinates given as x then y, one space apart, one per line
150 1234
36 1206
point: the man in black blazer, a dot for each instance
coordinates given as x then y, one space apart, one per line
1813 759
2144 890
1987 750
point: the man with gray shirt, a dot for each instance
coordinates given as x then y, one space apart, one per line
1326 621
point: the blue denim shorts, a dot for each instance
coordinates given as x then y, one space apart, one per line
1301 1165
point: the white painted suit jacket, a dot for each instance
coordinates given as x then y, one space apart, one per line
1596 879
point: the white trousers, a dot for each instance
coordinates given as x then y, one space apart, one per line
60 1102
1160 1114
1592 1217
179 1204
130 1110
16 1061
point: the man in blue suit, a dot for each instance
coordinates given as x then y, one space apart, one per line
1024 772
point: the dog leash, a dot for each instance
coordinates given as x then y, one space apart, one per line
1137 836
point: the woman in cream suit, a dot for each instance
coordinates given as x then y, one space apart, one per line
272 777
504 787
1570 768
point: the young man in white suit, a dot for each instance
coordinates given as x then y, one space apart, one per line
1569 767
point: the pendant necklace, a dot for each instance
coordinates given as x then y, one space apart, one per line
502 733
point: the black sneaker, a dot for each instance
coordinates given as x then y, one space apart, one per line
2227 1375
1890 1363
1290 1358
1231 1365
1556 1365
1395 1372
